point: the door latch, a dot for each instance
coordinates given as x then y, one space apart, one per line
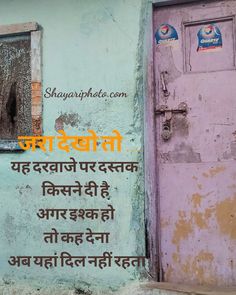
164 110
167 113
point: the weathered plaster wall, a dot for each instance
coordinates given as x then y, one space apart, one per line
86 43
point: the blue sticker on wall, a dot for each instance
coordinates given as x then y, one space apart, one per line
209 38
166 35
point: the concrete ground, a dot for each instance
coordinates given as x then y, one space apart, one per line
150 288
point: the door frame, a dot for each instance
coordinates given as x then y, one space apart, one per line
152 201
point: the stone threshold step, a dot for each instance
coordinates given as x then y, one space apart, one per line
154 288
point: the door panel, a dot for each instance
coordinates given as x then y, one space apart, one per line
197 165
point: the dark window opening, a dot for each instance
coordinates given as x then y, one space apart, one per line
15 86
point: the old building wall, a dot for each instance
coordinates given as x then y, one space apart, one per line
85 44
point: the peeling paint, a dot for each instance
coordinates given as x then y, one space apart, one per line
183 228
199 219
214 171
197 265
196 200
71 119
226 216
